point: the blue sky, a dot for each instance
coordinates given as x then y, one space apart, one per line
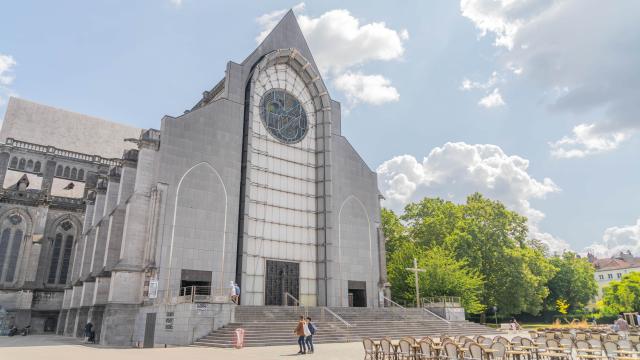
547 120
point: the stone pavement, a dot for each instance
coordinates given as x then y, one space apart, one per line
63 348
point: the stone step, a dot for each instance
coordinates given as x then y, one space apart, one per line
269 325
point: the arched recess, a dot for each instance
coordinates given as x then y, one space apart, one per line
355 247
15 229
199 226
63 234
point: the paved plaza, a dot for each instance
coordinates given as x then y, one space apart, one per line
57 347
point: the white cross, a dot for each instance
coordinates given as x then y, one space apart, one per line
415 271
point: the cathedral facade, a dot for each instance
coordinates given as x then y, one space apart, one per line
255 184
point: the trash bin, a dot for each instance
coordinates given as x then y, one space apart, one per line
239 338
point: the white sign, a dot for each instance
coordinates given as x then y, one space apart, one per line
153 288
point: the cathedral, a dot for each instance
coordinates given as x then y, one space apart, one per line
132 229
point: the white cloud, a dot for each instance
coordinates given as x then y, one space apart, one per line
340 43
585 141
588 50
176 3
372 89
616 239
456 170
494 99
471 85
7 63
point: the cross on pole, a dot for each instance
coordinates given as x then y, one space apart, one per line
415 271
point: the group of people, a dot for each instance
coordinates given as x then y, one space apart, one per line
305 331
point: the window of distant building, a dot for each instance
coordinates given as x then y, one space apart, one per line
62 245
11 239
610 276
619 275
601 277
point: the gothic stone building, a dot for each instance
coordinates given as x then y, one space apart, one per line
254 184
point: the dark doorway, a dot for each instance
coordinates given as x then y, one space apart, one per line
282 277
150 331
357 293
197 280
50 324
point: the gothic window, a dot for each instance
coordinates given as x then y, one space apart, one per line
30 164
74 173
37 166
59 170
14 163
11 239
67 171
61 247
21 164
81 175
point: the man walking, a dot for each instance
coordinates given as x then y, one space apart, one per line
300 332
309 339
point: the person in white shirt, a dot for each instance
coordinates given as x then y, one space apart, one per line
234 295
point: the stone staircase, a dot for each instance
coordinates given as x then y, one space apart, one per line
274 325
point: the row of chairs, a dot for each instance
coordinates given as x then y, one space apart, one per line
584 335
430 349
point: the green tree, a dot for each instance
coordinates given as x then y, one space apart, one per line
490 240
443 276
574 282
393 230
430 221
493 240
621 296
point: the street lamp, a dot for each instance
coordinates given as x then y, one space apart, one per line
495 314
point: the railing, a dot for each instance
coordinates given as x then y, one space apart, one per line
61 152
453 301
386 299
193 294
336 316
300 307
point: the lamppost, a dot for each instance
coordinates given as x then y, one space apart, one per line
495 314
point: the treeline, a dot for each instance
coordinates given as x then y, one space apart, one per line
481 252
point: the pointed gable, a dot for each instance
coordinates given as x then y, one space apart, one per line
286 34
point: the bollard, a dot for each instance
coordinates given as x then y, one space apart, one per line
239 338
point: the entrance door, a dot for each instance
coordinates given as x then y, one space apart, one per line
281 277
150 331
357 293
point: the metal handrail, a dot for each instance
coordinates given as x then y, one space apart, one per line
436 315
345 322
393 302
296 302
442 299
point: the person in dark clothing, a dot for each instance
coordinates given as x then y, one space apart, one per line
92 337
309 339
300 332
87 331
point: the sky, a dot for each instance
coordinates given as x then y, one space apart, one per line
533 103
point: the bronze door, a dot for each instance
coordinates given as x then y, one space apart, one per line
281 277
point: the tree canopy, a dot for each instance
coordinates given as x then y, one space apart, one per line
480 251
574 283
621 296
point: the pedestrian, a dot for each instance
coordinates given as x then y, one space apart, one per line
237 287
309 339
232 289
299 331
622 326
88 328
